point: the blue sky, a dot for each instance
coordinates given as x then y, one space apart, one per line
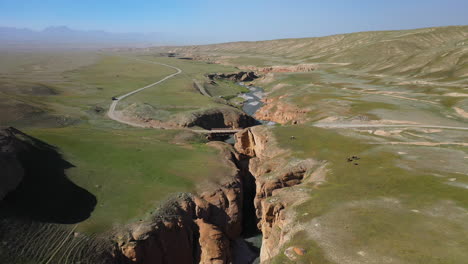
224 20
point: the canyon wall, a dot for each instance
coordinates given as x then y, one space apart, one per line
217 117
235 77
281 112
278 178
222 117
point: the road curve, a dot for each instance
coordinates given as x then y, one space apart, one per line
338 125
111 113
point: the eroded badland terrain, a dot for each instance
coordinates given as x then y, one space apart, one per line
356 153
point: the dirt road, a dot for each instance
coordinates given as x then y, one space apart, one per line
111 113
338 125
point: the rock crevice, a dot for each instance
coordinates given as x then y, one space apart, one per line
276 175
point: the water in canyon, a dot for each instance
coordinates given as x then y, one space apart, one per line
252 103
247 249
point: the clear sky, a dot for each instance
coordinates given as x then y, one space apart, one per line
225 20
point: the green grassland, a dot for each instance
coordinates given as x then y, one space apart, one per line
179 93
130 171
225 89
371 207
77 92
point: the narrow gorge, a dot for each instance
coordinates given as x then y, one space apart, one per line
208 227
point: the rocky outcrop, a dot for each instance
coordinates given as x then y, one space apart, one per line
189 228
169 238
292 68
214 243
223 117
12 172
236 77
281 112
219 117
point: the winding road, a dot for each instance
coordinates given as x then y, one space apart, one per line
112 113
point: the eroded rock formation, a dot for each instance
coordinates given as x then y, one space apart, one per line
292 68
223 117
169 238
277 175
214 243
236 77
219 117
281 112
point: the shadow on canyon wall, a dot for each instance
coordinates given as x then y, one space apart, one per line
45 193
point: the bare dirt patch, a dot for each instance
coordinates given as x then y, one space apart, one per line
461 112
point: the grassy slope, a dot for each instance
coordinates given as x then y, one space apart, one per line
436 51
29 80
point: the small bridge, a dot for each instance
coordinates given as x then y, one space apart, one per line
218 131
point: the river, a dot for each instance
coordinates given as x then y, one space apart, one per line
247 249
253 102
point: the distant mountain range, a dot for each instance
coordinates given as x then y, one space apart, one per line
62 36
